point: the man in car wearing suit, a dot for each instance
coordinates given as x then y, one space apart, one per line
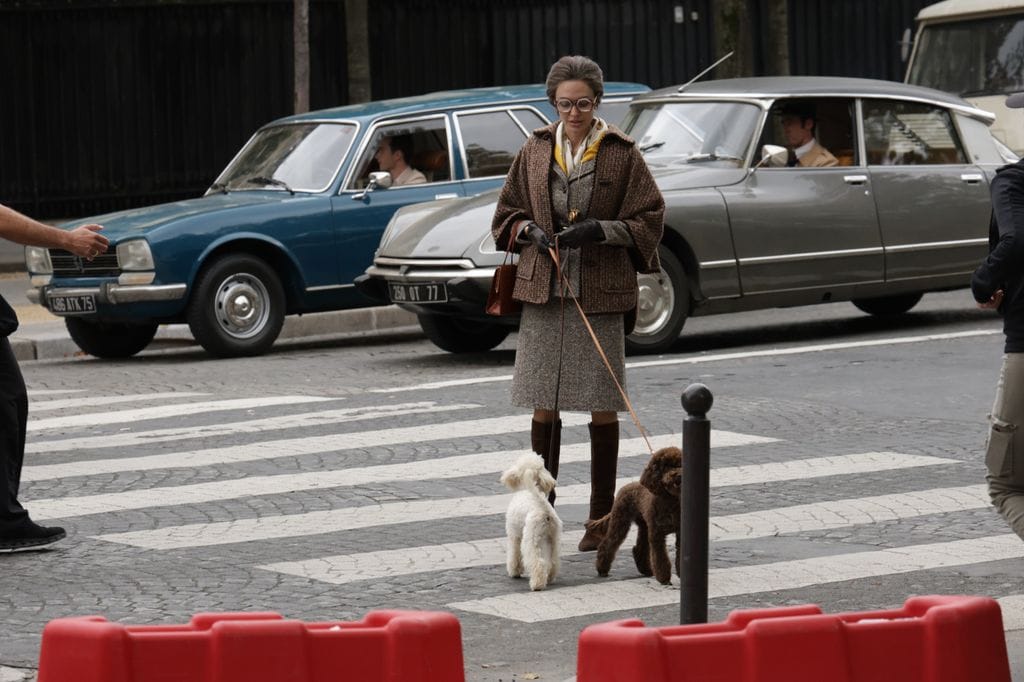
799 122
393 156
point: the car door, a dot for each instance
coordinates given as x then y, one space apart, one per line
933 204
800 229
361 213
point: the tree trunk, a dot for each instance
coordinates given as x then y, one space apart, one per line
733 29
300 33
776 41
358 54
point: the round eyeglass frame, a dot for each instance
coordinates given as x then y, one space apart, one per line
583 105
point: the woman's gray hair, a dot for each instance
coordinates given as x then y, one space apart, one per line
575 68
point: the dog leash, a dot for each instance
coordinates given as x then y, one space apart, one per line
554 252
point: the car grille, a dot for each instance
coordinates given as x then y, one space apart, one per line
67 264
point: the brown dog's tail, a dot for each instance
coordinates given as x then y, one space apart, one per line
599 525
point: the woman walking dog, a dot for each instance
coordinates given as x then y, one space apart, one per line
578 190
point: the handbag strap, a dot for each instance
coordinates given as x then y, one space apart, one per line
512 232
597 344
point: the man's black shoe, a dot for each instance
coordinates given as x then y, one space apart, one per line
29 535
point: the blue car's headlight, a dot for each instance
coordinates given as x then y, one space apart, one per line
134 255
37 261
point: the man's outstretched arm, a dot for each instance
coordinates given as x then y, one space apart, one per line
85 241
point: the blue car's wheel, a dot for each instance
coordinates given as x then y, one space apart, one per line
237 307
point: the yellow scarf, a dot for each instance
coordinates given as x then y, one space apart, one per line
564 157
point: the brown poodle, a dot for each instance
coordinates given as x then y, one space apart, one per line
653 504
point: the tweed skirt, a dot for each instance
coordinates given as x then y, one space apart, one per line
585 383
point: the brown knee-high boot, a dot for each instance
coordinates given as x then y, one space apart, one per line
546 438
604 457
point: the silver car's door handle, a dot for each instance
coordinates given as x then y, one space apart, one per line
971 178
446 196
855 179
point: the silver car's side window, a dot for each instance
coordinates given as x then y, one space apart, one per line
414 152
828 121
898 133
490 142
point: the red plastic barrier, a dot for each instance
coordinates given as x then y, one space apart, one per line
386 646
931 639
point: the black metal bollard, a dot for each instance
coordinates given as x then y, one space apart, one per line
694 506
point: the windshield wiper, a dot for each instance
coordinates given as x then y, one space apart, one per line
221 187
653 145
713 157
264 180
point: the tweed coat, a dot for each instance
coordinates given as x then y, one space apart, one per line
623 190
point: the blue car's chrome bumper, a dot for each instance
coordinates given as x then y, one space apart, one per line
111 293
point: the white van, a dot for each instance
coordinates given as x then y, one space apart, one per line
975 49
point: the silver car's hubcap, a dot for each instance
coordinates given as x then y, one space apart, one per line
241 306
656 301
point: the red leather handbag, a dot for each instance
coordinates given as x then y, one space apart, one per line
499 298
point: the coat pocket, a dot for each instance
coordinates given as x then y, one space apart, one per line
999 452
527 263
618 274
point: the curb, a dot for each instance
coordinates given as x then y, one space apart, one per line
54 342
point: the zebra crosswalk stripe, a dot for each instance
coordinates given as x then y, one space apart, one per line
294 447
596 597
283 422
346 568
349 518
98 401
633 594
443 467
163 411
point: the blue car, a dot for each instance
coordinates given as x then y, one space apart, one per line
289 224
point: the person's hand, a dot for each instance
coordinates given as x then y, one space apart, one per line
87 242
580 233
994 302
535 233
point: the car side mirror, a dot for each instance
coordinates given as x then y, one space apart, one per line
377 179
380 179
773 156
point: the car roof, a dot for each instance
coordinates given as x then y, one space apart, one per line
774 87
448 99
959 9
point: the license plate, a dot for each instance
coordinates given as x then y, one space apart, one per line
73 305
423 292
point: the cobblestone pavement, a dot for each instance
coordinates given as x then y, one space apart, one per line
350 481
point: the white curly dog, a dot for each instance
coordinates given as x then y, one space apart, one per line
531 524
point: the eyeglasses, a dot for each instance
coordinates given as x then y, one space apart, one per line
583 105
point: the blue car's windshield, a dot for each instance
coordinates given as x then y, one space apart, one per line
693 132
302 157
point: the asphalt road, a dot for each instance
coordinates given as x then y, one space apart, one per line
334 477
